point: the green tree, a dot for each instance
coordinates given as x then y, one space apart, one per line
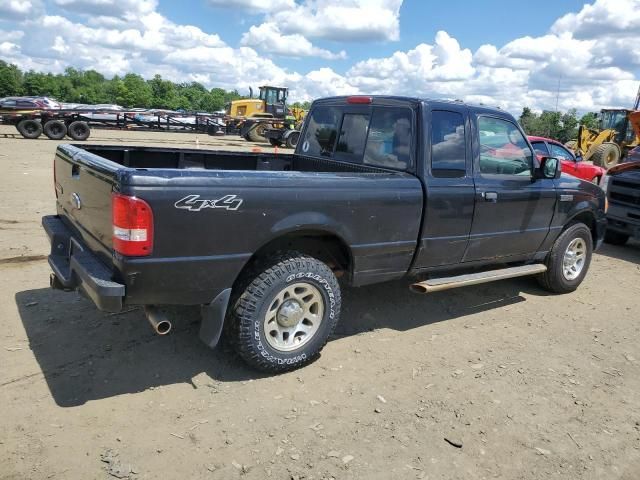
589 120
91 87
10 80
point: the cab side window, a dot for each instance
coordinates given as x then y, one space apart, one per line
448 146
503 148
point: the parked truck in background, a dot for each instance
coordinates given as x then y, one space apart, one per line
622 186
379 188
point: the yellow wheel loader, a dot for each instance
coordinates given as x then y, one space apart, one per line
618 132
607 145
251 117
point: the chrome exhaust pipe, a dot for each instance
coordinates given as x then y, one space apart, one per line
158 320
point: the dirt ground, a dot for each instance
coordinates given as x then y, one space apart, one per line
532 386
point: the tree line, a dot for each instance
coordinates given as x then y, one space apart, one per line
131 90
559 126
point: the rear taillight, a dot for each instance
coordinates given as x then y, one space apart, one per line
132 220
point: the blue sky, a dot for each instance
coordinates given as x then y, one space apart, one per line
473 23
496 52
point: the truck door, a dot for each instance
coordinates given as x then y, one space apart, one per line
512 212
449 191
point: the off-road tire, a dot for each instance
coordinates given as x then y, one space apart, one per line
255 294
55 129
553 279
79 130
606 155
292 139
255 134
615 238
29 128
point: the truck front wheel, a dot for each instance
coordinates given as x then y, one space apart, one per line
284 314
569 260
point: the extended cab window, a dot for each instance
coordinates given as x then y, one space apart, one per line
448 157
503 148
322 131
389 141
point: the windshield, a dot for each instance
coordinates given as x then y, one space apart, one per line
615 119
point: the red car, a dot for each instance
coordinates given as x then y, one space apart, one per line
545 147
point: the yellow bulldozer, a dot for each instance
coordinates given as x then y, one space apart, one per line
251 117
618 132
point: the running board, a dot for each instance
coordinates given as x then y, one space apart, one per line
445 283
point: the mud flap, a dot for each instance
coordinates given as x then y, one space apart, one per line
213 318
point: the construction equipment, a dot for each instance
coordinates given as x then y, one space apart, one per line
251 117
615 136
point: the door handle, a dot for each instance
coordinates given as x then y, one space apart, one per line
490 196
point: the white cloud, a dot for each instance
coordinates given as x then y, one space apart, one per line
125 9
342 20
254 6
268 38
19 9
601 19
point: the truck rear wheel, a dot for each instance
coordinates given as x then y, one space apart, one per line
615 238
79 130
606 155
55 129
569 260
29 128
283 316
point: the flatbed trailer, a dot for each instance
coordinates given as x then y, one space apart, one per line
77 124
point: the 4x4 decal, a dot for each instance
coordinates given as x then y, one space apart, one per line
194 203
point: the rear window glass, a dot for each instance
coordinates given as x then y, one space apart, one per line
353 134
322 131
381 137
448 146
389 141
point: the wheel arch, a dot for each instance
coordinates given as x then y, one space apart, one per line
316 241
587 217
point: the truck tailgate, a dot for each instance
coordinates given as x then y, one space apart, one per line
84 183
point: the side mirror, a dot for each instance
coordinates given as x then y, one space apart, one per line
550 168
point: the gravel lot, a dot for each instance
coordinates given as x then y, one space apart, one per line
531 386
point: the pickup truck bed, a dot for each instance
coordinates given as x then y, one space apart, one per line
379 188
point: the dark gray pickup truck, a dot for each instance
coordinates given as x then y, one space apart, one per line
379 188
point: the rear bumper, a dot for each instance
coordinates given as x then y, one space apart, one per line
76 268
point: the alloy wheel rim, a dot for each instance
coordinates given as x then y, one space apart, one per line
574 259
293 317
